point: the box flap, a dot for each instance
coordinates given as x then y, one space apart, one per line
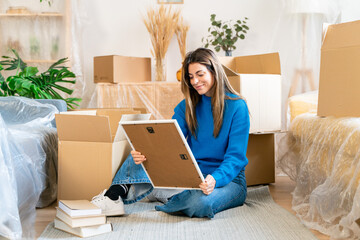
229 62
120 135
263 63
83 128
342 35
229 72
114 117
80 112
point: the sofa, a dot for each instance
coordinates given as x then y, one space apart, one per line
28 160
323 158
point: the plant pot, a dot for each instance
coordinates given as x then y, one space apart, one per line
228 53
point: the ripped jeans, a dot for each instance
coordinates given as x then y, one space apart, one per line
193 203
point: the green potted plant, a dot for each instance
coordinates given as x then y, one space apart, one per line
224 34
27 82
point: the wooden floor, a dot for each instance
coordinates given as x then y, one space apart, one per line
280 191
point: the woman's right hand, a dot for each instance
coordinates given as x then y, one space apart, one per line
138 158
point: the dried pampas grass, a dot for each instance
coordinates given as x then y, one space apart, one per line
161 24
181 32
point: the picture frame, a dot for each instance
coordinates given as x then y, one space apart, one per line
170 1
170 163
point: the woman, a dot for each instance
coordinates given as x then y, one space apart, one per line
215 121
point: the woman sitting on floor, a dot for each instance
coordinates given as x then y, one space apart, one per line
215 121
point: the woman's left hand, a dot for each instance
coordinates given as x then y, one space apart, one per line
208 185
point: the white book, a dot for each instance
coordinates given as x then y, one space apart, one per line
79 208
82 221
83 231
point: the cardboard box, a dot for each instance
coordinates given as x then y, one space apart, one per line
261 156
339 71
126 95
88 156
159 98
167 97
115 69
258 79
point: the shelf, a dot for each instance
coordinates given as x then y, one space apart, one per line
39 61
31 15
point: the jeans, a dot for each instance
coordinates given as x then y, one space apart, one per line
193 203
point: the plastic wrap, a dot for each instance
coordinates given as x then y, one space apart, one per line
302 103
324 160
39 37
25 156
159 98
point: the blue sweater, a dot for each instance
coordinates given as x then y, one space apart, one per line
224 156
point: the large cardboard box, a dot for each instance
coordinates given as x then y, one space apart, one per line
258 79
339 71
261 156
167 97
89 156
159 98
115 69
126 95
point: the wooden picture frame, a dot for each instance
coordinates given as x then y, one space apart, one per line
170 1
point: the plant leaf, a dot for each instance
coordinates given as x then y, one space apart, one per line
63 89
30 71
59 62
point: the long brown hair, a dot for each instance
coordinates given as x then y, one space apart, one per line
221 86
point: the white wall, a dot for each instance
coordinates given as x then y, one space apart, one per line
116 27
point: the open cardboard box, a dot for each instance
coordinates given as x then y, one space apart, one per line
116 69
90 151
339 71
258 79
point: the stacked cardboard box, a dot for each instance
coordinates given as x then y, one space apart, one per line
159 98
258 79
125 82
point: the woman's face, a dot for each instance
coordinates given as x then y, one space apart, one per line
201 79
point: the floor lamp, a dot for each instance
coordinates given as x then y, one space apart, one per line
305 8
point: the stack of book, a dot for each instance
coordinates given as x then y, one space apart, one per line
81 218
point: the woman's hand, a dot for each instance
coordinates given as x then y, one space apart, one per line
138 158
208 186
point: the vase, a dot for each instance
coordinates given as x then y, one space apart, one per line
160 70
228 53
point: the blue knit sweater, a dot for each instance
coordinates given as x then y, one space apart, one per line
224 156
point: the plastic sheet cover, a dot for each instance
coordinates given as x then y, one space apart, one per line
302 103
324 160
158 98
22 163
